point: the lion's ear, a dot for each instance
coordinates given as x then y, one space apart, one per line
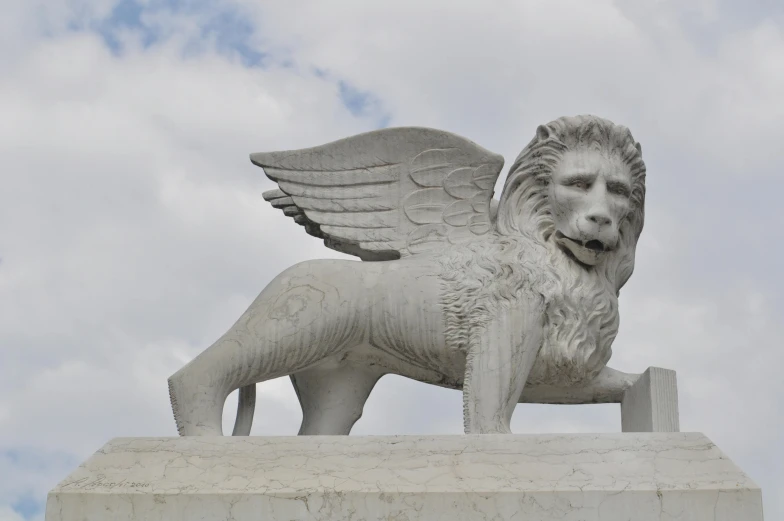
542 132
638 146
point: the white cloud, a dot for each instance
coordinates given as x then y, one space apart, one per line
496 73
132 232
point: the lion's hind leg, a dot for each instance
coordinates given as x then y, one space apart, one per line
297 321
198 391
332 396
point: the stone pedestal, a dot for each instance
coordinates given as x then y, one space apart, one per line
608 477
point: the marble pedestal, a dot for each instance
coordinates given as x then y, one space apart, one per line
583 477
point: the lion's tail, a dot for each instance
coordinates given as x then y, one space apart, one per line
246 405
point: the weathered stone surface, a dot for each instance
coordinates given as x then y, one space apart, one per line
607 477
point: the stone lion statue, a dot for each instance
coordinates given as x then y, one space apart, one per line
511 301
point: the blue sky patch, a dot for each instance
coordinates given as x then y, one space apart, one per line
362 103
28 507
223 26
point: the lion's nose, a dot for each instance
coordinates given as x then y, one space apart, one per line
599 218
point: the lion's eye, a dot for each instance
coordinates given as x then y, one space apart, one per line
580 183
618 189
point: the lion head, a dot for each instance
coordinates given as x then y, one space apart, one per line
580 185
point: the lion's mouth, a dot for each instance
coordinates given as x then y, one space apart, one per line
593 245
586 252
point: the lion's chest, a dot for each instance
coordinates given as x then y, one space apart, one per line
579 329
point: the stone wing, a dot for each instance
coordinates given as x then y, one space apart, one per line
388 193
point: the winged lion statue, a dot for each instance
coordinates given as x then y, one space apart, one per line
510 300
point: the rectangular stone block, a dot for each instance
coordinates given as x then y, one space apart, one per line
651 404
581 477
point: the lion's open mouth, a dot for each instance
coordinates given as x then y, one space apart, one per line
586 252
593 245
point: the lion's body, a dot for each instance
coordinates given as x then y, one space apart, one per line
328 321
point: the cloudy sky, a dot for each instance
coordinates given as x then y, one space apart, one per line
133 233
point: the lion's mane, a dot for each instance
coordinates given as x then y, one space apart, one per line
520 261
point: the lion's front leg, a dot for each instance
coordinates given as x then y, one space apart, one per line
499 360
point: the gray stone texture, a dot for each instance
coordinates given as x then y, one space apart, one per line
572 477
651 404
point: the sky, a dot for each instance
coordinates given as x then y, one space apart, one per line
133 232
